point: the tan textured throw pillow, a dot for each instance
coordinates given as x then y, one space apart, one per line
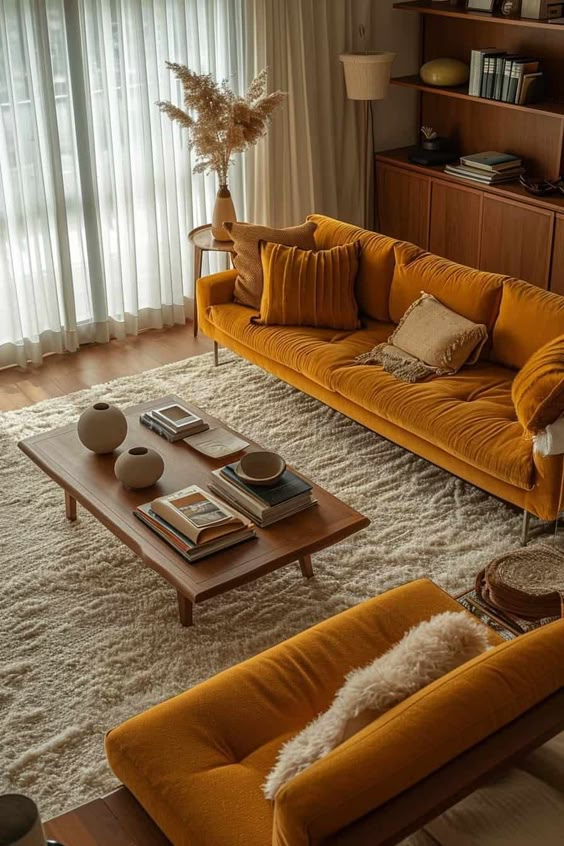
246 243
430 340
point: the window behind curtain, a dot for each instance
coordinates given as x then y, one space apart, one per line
96 189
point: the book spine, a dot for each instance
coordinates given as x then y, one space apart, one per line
484 77
499 68
506 80
516 71
151 424
476 59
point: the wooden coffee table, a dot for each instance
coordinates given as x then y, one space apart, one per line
89 479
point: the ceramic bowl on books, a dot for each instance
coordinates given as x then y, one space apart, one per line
260 468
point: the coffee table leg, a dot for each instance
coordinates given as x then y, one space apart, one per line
306 566
70 506
185 610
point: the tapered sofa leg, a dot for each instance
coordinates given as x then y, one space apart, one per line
215 354
525 528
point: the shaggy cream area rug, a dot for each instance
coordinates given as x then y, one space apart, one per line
89 637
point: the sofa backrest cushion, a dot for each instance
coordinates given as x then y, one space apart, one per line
376 269
474 294
528 318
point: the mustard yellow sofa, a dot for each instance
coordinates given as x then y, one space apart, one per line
196 763
465 423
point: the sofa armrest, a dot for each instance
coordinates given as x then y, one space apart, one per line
216 289
419 736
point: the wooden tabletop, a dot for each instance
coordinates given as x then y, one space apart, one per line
90 480
114 820
203 239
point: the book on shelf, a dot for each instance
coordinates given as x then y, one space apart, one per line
492 161
265 506
480 176
497 75
477 60
195 523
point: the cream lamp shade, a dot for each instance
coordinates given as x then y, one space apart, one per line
367 75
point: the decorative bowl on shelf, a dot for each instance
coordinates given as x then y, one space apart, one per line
261 468
445 73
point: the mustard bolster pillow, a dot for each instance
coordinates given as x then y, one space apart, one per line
307 288
538 388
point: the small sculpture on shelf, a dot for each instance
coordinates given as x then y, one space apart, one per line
433 149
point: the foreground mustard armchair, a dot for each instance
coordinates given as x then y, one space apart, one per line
197 762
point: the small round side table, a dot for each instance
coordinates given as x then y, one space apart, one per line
203 241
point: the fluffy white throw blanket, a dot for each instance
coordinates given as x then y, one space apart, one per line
551 440
425 653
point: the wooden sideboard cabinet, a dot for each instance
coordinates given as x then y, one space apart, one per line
502 229
404 200
557 275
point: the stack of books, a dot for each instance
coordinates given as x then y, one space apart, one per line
173 422
195 523
497 75
264 506
489 168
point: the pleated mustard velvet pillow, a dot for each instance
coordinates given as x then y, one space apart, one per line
308 288
538 388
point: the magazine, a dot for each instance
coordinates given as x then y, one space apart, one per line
198 515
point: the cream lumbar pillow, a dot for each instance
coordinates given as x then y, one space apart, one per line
430 340
425 653
247 238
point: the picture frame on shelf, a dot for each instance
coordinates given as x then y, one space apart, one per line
487 6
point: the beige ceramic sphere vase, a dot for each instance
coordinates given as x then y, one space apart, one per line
102 427
139 467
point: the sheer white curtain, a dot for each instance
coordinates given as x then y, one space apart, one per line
311 160
96 190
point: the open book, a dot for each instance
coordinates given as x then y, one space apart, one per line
198 515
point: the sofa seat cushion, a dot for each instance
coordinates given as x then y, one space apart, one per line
470 415
197 762
315 352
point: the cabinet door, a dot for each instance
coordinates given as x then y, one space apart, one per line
516 240
557 275
456 216
403 204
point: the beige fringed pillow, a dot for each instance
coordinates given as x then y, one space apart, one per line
246 243
430 340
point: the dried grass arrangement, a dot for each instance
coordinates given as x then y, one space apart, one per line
219 122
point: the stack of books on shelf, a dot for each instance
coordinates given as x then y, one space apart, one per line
173 422
195 523
497 75
489 168
263 505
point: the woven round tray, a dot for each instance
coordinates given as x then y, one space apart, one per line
528 583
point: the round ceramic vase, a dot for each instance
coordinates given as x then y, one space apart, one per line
445 73
223 212
139 467
102 428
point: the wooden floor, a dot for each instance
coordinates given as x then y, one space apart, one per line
91 365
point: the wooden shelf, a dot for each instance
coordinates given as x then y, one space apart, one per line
429 8
461 93
509 190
